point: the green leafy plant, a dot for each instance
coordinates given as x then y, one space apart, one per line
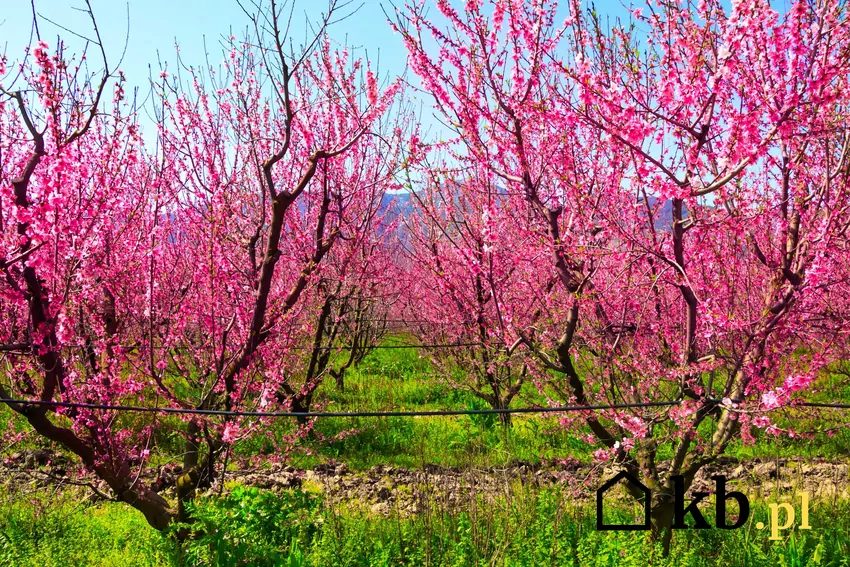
252 527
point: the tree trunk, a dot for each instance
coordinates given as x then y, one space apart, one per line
300 405
505 420
662 521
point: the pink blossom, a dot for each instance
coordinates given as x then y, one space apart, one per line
230 433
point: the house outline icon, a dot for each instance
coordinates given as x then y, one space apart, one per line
600 493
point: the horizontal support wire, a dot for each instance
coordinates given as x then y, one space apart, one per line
75 405
26 349
423 413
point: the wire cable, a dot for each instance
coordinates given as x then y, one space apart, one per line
26 349
561 409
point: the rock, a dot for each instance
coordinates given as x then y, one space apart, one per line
765 470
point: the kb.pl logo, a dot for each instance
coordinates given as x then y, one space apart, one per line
680 511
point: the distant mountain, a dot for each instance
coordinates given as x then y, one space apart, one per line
664 215
400 204
395 205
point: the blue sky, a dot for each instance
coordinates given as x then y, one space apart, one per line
155 25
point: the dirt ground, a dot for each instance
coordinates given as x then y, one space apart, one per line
385 489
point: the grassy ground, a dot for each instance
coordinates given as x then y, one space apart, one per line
533 527
402 379
251 527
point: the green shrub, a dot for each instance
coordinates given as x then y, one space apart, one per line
251 527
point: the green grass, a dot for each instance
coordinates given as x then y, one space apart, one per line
404 380
401 379
444 441
532 527
47 530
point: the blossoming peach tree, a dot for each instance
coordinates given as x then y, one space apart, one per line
179 273
475 281
686 171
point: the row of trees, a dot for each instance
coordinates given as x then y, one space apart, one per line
196 270
650 211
